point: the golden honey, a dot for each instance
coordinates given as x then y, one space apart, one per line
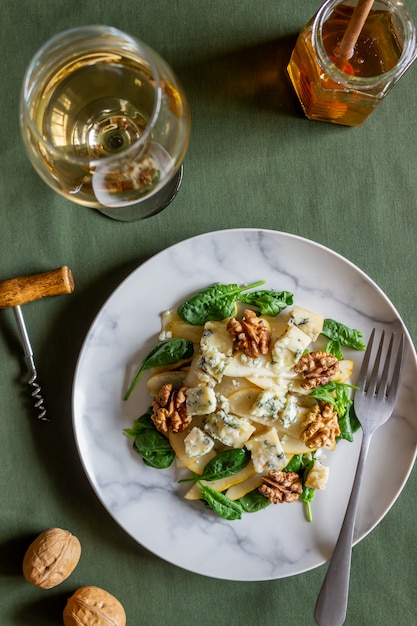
348 95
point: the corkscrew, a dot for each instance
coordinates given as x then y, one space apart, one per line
17 291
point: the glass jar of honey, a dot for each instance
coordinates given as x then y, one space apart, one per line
346 89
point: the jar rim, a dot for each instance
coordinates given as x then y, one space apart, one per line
407 56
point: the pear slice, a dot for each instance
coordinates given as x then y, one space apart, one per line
179 328
241 489
194 464
242 400
155 382
345 370
223 483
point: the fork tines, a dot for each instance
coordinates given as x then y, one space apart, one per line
376 382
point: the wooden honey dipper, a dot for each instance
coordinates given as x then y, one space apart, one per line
345 49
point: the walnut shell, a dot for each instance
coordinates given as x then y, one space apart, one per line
92 606
51 558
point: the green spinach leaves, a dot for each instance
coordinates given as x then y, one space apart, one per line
253 501
338 395
268 302
340 336
218 301
165 352
224 464
152 445
220 504
302 464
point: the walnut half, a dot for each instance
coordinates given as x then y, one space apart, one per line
279 486
170 410
317 368
250 335
321 427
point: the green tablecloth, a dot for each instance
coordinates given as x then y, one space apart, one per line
253 161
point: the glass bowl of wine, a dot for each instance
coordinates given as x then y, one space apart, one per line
105 122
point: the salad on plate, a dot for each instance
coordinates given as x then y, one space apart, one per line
249 391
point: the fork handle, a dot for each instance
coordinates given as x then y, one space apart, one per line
331 606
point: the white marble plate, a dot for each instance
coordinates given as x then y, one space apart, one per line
148 503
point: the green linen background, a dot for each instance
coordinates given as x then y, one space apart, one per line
253 161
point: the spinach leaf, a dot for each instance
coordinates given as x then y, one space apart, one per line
333 347
220 504
213 303
269 302
302 464
340 336
140 424
217 302
152 445
224 464
335 393
307 496
165 352
298 463
308 493
348 424
253 501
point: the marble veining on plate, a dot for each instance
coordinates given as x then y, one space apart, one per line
148 503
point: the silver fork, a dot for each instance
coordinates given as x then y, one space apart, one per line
374 403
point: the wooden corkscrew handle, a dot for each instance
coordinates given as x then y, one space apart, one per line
17 291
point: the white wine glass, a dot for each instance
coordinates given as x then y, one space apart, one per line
105 122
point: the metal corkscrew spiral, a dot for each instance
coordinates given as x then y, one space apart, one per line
27 349
39 401
17 291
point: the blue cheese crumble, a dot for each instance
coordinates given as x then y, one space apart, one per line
309 322
216 349
200 400
232 431
289 413
266 451
197 443
288 348
270 402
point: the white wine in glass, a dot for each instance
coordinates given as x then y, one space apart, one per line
105 122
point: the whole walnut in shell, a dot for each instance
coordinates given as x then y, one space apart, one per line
51 558
92 606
